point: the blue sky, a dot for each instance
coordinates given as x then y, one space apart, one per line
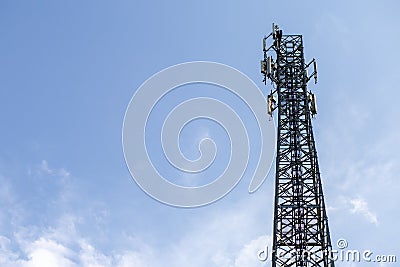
68 71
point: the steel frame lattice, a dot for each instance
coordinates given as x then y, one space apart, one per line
301 234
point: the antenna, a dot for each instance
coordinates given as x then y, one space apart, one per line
271 104
269 66
315 72
313 104
263 67
265 44
274 28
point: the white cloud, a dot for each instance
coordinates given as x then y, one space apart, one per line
229 238
226 238
47 253
44 168
248 254
90 257
131 259
6 254
61 247
217 243
42 252
11 210
360 206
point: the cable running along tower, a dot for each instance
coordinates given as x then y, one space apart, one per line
301 234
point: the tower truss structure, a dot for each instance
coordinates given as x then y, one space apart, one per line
300 232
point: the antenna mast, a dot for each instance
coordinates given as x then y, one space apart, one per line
301 234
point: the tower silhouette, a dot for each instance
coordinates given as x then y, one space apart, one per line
300 230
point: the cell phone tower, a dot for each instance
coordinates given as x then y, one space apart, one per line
301 234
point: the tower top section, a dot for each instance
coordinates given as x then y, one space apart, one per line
269 64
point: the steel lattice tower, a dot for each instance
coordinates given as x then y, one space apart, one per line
301 234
